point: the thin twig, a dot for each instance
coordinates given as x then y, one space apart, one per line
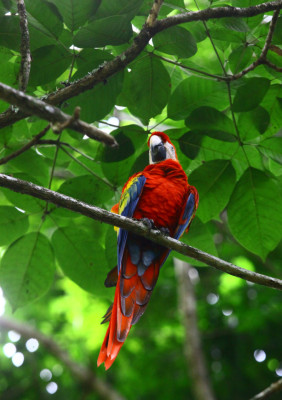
136 227
273 66
178 64
88 169
25 47
262 58
52 142
154 12
32 106
26 147
80 372
273 388
140 42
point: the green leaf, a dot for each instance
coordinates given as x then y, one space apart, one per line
252 124
215 182
176 41
272 148
9 67
13 224
146 88
260 118
10 34
240 58
277 36
192 93
255 212
250 94
48 63
199 236
212 123
111 247
227 36
98 102
190 144
235 24
27 269
80 256
121 7
125 149
44 17
86 188
102 32
140 163
75 12
197 29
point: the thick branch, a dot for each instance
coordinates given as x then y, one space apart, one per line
218 12
105 71
25 49
32 106
193 348
26 147
80 372
136 227
273 388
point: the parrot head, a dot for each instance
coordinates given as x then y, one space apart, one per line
160 148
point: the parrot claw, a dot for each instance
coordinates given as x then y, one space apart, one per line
149 223
164 231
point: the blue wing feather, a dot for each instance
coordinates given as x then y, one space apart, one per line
186 217
127 206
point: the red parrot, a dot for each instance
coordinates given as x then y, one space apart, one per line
159 195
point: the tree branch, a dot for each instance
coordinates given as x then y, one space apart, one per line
154 12
25 48
80 372
262 58
32 106
135 226
273 388
193 348
105 71
26 147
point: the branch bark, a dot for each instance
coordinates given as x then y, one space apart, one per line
154 12
135 226
25 48
193 348
273 388
80 372
105 71
32 106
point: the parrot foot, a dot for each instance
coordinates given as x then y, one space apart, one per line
164 231
149 223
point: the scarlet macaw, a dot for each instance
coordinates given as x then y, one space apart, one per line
160 194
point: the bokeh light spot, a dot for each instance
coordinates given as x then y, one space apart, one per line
18 359
9 349
45 375
52 387
32 345
259 355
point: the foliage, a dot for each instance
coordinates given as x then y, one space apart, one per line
228 141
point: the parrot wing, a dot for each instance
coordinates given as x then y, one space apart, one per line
188 212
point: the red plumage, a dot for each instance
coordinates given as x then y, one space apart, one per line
168 200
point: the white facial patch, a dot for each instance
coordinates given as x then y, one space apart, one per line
155 140
170 151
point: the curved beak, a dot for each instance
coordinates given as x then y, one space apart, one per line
158 152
